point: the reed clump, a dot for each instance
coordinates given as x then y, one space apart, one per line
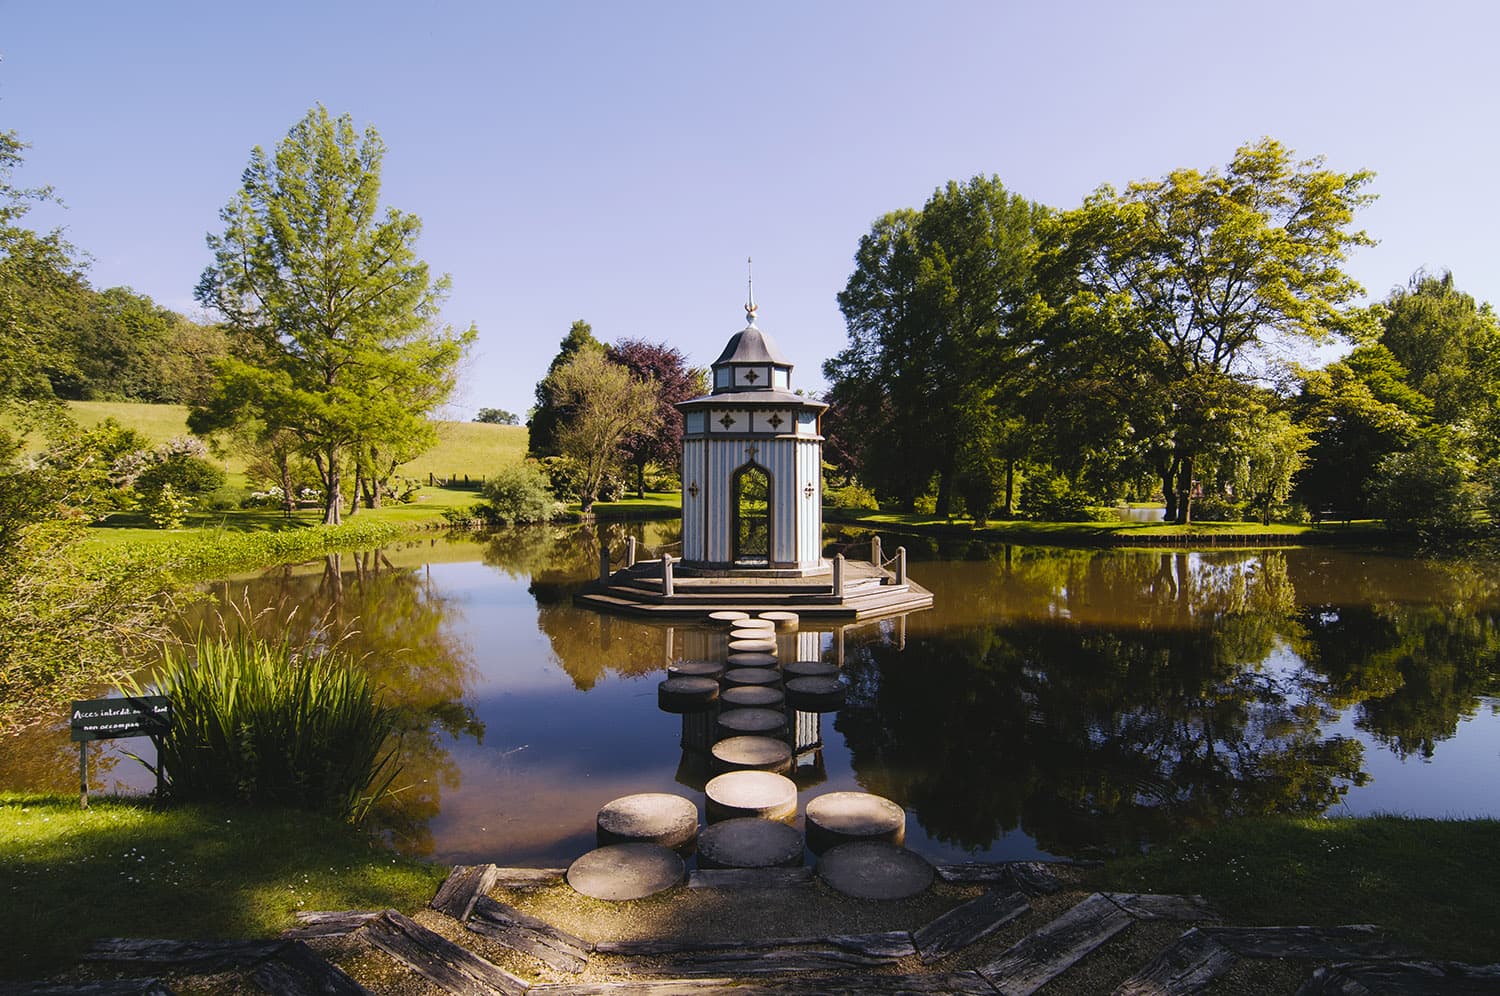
266 723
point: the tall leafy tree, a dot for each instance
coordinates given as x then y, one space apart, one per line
607 405
549 414
675 381
932 337
1213 266
332 313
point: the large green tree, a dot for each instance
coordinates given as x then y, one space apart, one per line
1208 268
332 314
550 414
607 404
933 343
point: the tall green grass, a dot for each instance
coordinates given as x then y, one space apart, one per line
264 723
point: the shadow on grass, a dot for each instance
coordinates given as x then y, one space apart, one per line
123 868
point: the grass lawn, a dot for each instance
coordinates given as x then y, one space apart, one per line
1427 881
122 868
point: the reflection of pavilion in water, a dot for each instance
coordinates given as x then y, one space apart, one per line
804 726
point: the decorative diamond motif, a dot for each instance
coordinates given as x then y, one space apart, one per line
776 421
752 376
751 450
727 420
807 490
693 489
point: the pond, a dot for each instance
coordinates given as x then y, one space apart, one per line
1053 702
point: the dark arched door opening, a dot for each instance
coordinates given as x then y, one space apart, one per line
752 515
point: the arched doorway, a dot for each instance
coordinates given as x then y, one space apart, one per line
752 515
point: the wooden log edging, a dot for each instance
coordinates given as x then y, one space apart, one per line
439 960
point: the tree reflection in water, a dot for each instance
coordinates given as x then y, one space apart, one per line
403 631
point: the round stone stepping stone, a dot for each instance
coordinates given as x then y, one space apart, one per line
752 676
759 722
752 697
836 818
874 870
687 693
767 633
626 871
649 818
751 660
695 669
752 646
727 616
781 620
810 669
764 795
753 754
815 694
745 842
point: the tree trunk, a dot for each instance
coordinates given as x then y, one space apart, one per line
1168 471
945 491
640 479
1010 487
359 481
1185 490
333 495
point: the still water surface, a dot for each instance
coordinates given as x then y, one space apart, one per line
1053 702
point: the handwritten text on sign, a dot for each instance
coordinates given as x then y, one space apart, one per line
104 719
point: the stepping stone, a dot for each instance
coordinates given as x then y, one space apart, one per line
686 693
751 676
695 669
810 669
752 696
845 817
875 870
751 660
650 818
761 794
746 842
781 620
757 646
626 871
728 616
754 722
756 624
815 694
758 633
753 754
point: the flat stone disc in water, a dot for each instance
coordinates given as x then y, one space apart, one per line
744 842
728 616
751 660
751 697
758 722
845 817
626 871
752 646
750 753
874 870
810 669
686 693
695 669
765 633
815 694
649 818
751 676
781 620
761 794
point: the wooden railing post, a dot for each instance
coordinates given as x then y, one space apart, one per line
876 553
901 565
666 574
838 575
629 551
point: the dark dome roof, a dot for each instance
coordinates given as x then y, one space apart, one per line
751 345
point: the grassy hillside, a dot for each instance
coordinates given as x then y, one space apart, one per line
472 448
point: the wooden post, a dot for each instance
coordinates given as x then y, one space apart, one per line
838 575
83 774
603 560
901 565
876 553
666 574
629 551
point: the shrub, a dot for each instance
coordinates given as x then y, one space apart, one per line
1051 497
518 493
264 723
853 496
187 475
1216 508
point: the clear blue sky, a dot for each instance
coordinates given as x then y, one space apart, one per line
617 161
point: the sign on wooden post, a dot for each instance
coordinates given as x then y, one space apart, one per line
106 719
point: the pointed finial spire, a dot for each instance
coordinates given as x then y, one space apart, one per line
750 282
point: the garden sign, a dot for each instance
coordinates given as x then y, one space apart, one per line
106 719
